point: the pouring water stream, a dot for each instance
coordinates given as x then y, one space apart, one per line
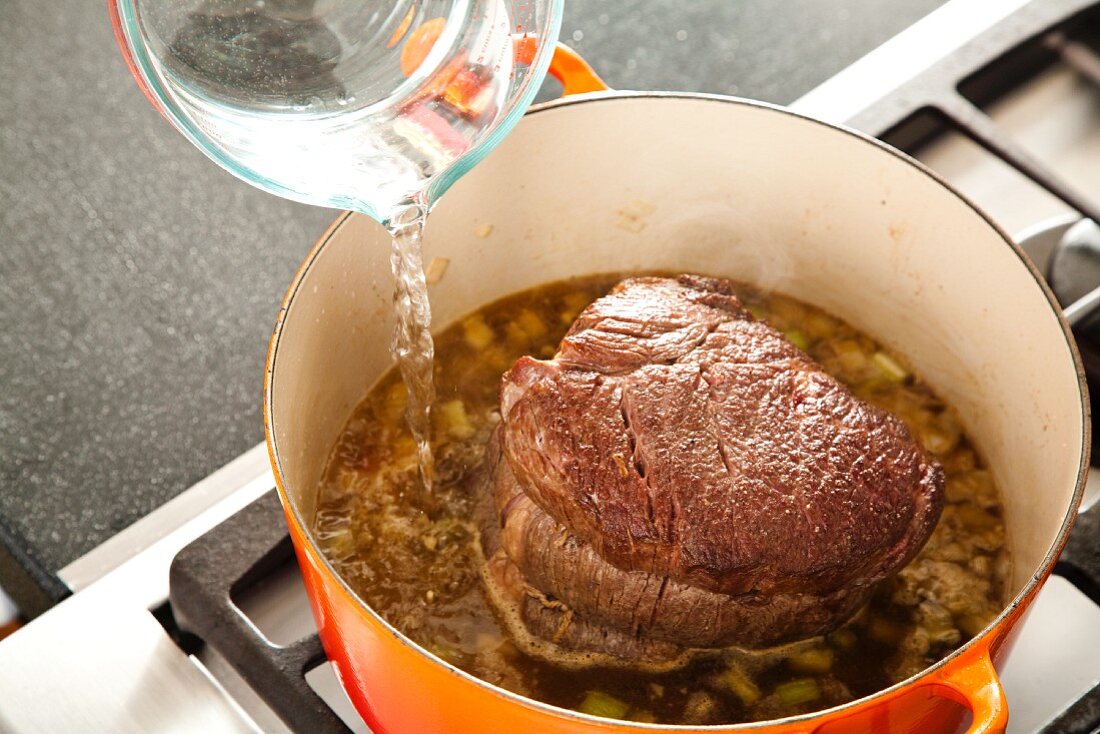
411 345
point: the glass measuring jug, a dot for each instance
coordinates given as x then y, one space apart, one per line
344 103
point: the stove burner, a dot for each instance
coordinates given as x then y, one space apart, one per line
1044 245
1074 269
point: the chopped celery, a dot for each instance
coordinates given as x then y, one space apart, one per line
796 337
976 518
642 716
937 621
598 703
787 310
478 334
700 708
404 448
820 326
741 685
889 367
795 692
960 461
499 359
813 660
975 486
517 337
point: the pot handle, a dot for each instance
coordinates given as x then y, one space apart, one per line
974 683
574 73
566 65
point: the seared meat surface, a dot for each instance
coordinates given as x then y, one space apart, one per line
682 476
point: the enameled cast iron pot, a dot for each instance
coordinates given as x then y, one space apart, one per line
625 181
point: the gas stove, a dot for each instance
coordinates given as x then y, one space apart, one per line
195 617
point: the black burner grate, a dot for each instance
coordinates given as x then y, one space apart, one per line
203 581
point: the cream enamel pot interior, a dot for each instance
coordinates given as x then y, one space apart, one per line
618 182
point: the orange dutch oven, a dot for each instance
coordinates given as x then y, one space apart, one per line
616 181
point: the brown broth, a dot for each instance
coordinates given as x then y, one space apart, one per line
411 555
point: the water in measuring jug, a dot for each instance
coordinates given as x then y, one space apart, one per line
340 103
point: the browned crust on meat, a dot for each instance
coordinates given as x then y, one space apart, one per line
644 605
850 484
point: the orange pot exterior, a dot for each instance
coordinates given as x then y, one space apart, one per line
399 689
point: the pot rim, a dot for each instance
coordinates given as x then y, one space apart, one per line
982 640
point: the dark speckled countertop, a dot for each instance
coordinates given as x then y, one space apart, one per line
139 283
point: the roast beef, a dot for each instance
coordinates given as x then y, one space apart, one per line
681 476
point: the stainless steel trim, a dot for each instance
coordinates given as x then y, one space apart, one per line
1083 307
842 97
198 500
91 664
